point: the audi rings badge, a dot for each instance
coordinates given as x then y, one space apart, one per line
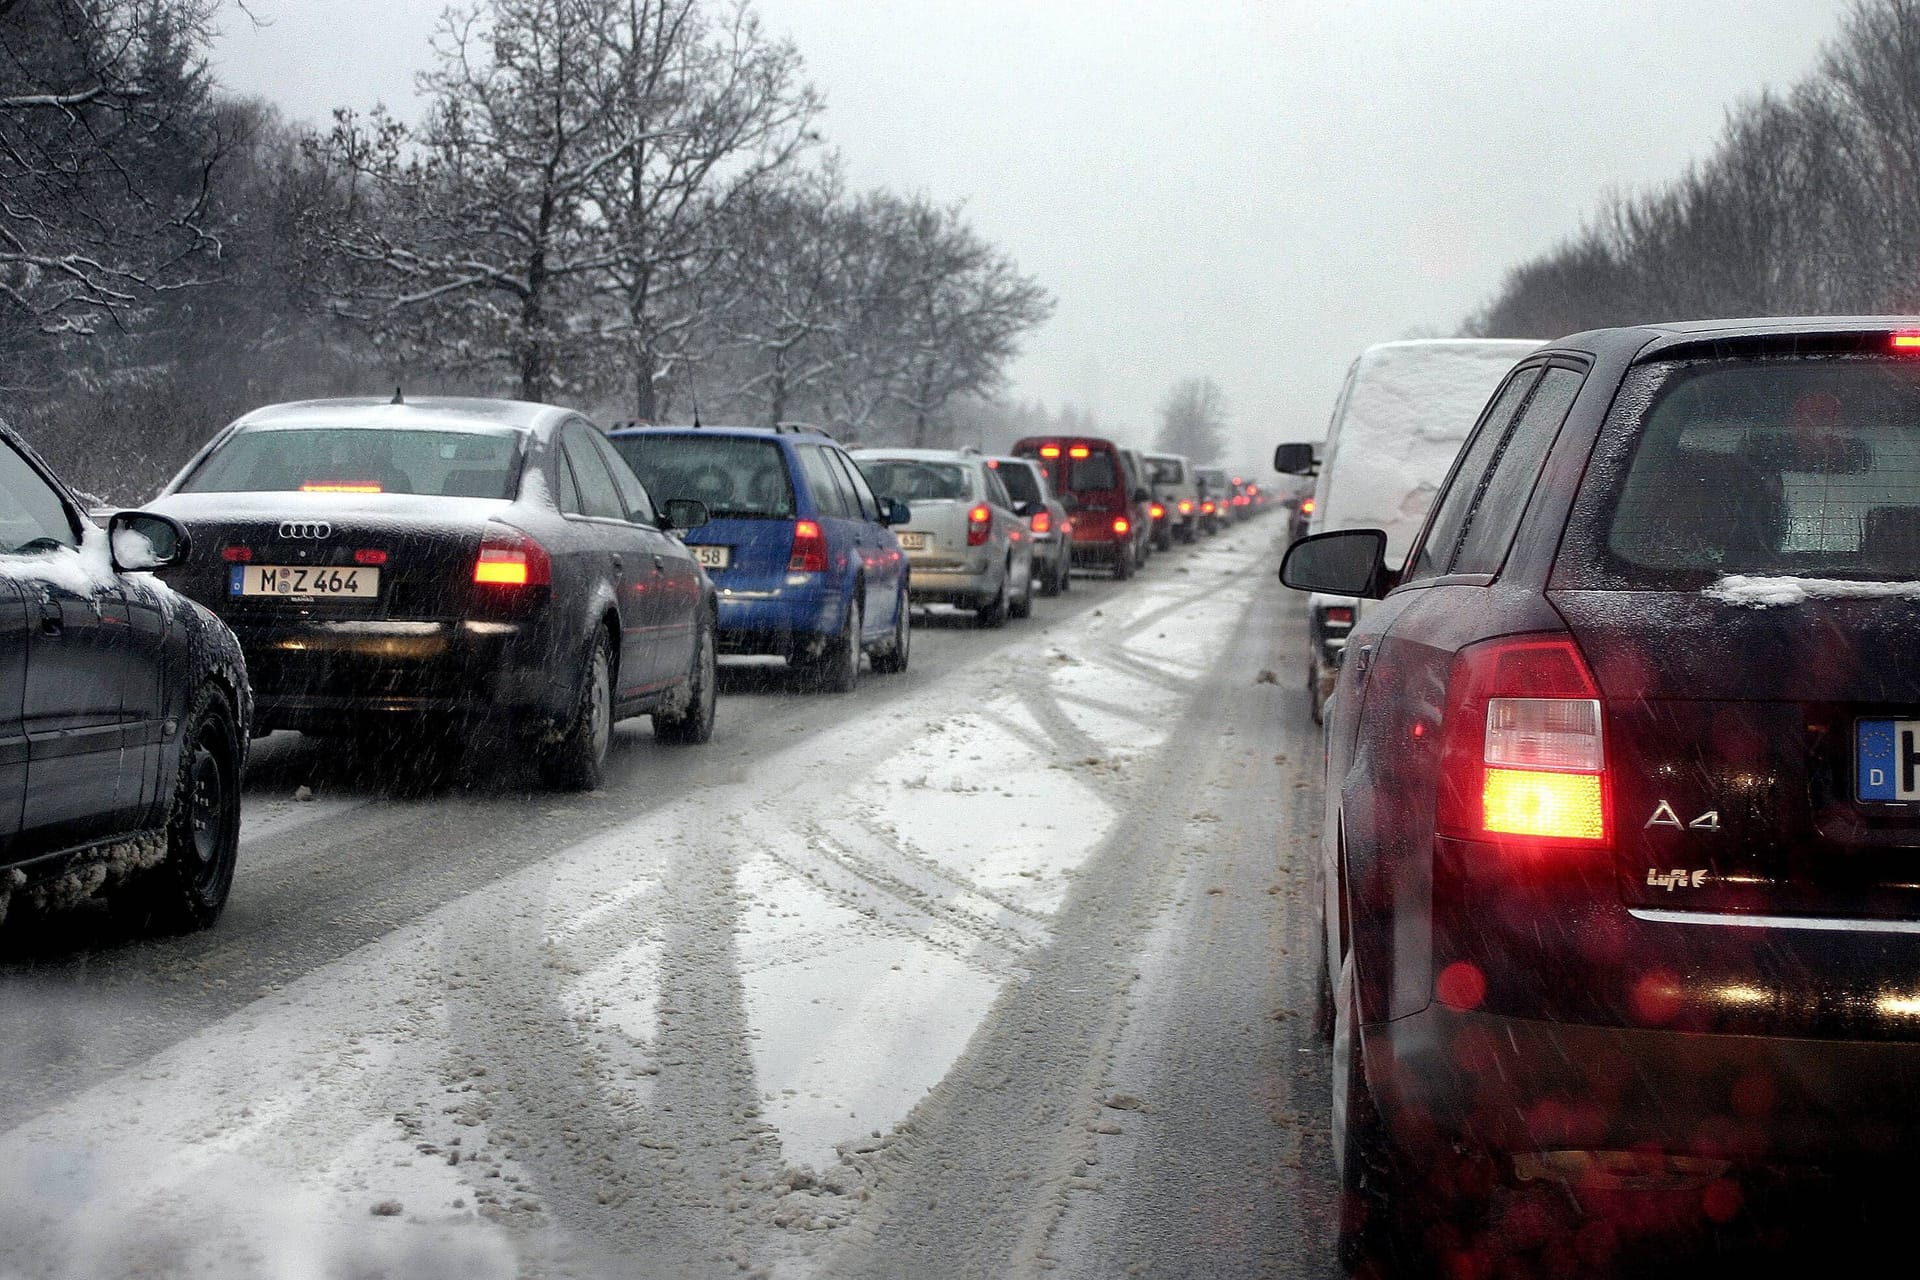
315 529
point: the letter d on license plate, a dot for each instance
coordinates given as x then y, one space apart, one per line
1887 760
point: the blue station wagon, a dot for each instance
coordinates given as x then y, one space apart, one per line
797 543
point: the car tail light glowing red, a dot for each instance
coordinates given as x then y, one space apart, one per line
509 558
1341 614
1121 526
1157 511
1043 522
1186 507
1049 450
1906 342
342 486
1523 756
809 548
236 555
1206 508
1079 451
979 523
369 555
1306 506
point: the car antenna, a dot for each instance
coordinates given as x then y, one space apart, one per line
397 397
696 413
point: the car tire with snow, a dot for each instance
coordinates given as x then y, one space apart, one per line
838 669
578 761
1022 607
994 612
692 724
1122 563
891 658
189 888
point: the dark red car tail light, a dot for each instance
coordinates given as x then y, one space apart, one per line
1043 522
1523 751
1340 615
509 558
237 555
809 553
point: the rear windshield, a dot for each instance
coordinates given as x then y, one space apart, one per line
737 477
1093 474
453 464
1808 466
1166 471
914 481
1022 484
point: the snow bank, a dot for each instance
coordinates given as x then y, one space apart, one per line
1760 593
1402 416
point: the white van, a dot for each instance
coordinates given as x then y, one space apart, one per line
1403 414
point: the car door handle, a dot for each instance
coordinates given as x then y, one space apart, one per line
51 621
659 565
1362 659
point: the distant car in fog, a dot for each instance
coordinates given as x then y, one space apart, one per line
126 732
1047 518
1109 506
447 565
1396 428
800 549
964 542
1215 495
1177 492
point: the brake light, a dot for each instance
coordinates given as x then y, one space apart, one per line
1906 342
1157 511
1186 508
1079 451
369 555
1523 757
809 548
1306 506
1049 450
979 521
1253 488
1121 524
509 558
1341 614
1206 508
341 486
236 555
1043 522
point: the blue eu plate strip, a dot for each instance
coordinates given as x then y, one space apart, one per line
1876 756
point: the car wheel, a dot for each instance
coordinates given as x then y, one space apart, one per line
839 668
1050 582
1369 1240
994 612
1066 569
189 888
893 659
578 760
693 724
1023 607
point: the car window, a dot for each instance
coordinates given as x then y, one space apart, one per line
914 480
829 490
361 460
633 495
855 483
1495 517
1023 485
598 494
997 492
31 511
1094 473
1803 466
569 499
1436 549
738 477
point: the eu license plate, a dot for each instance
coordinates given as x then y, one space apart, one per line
1887 760
712 557
912 541
307 581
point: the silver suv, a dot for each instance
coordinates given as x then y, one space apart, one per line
964 543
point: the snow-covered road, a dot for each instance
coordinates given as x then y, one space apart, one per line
868 986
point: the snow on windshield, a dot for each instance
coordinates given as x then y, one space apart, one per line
1406 409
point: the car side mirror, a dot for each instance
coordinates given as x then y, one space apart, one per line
142 541
1293 459
893 512
1349 562
684 513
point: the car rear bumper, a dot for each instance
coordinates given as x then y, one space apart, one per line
965 587
1514 1085
778 620
323 675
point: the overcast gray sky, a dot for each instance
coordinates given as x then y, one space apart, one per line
1249 189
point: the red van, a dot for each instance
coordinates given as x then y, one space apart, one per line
1106 500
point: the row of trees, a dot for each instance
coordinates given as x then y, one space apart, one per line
1809 204
621 204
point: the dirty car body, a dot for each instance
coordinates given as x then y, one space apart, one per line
1621 802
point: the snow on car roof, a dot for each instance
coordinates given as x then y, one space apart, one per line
437 413
1406 408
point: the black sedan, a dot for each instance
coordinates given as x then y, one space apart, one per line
124 712
1623 791
443 565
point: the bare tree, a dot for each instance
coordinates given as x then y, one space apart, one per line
1193 420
